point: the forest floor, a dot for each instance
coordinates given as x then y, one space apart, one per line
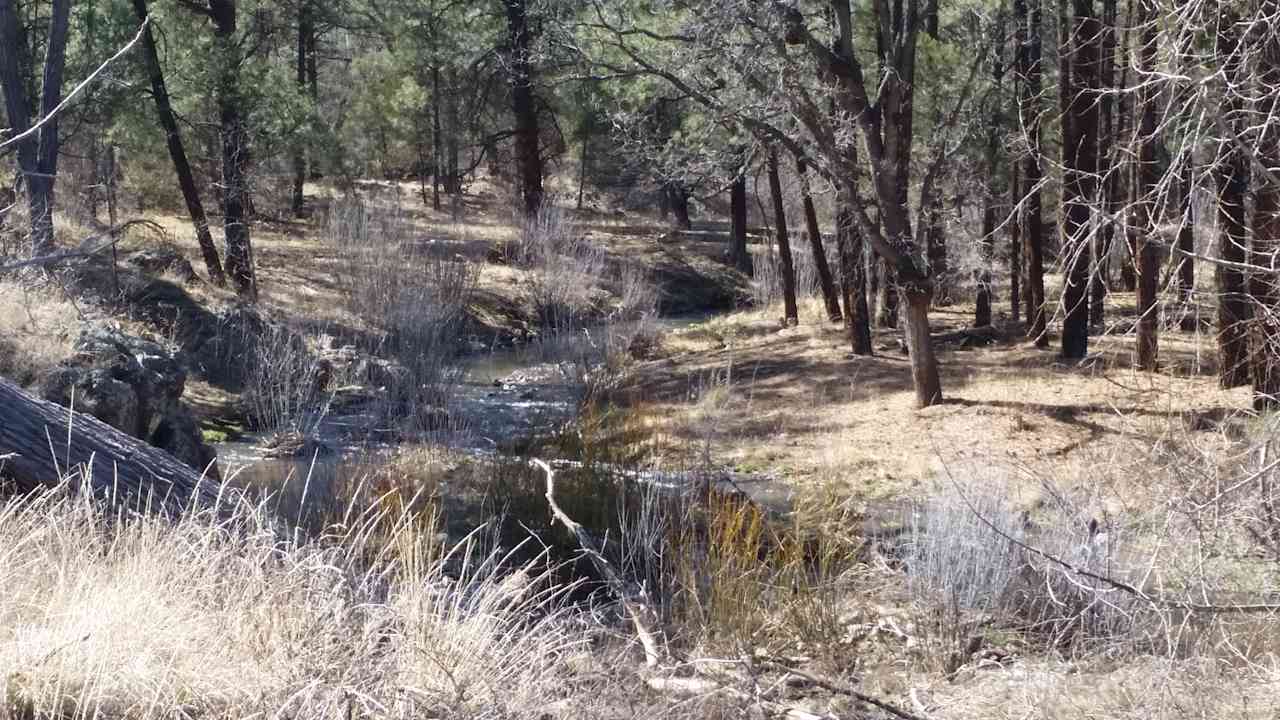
1058 449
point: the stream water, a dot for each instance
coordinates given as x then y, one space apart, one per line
500 400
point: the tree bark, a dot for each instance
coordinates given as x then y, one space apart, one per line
677 203
1080 147
829 294
982 309
1231 172
853 281
437 141
791 313
1015 244
887 306
1148 175
1187 244
178 153
524 105
299 152
37 157
117 466
739 256
1264 282
235 151
1107 142
1029 73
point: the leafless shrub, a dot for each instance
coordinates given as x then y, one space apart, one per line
966 561
766 285
287 390
566 267
414 305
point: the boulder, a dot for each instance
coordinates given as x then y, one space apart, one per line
135 386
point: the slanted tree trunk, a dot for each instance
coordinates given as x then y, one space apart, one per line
235 151
1080 148
524 105
178 153
791 313
1264 283
1231 172
1148 175
1029 73
739 256
853 281
829 294
38 156
299 152
120 467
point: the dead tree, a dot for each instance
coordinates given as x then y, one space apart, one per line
116 465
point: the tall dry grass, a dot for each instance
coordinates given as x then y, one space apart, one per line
105 615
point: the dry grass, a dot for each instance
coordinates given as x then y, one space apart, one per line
796 401
38 329
151 619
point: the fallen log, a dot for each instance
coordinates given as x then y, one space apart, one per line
43 444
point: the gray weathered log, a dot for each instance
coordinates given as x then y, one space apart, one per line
43 442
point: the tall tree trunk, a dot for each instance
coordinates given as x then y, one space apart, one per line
587 127
1098 278
1029 72
791 313
437 141
853 281
829 294
235 151
982 310
1148 175
299 152
936 232
178 153
524 105
13 82
1015 244
1080 147
1264 284
1231 172
1187 243
739 256
38 157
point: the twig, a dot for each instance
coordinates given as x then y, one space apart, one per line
78 89
843 689
114 236
642 615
